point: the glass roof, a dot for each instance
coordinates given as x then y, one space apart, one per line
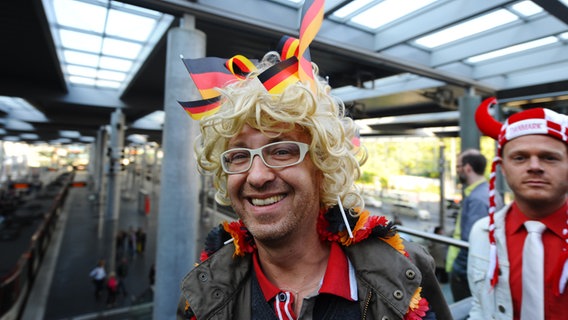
466 29
387 11
374 14
513 49
102 43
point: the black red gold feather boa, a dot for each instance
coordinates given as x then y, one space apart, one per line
330 228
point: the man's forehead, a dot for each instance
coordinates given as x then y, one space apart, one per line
534 141
278 133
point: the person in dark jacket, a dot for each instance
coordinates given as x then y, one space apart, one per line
285 157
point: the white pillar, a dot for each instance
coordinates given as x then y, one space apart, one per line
178 207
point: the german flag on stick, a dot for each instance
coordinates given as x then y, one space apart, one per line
207 74
211 73
201 108
312 17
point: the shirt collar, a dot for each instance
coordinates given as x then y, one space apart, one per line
555 222
268 289
467 191
339 278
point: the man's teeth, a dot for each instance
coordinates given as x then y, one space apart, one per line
267 201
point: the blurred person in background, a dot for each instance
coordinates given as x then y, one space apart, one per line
470 169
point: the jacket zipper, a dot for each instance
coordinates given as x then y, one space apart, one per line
367 303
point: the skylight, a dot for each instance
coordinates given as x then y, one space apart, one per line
526 8
102 43
69 134
20 109
513 49
153 121
351 8
468 28
388 11
29 136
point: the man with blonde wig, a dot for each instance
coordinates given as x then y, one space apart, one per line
282 154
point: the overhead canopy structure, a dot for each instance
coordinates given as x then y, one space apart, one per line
400 66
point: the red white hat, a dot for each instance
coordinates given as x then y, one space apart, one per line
527 122
531 121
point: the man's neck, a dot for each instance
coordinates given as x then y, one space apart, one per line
295 265
539 210
474 179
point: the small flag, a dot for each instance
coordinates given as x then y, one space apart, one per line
312 17
201 108
211 73
208 74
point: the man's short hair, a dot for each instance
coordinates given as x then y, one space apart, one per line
475 159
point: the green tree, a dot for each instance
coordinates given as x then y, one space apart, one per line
415 156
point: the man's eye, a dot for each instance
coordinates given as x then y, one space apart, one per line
237 157
285 152
281 151
551 158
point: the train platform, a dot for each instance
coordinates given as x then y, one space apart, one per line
63 288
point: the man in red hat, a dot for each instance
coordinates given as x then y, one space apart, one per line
513 272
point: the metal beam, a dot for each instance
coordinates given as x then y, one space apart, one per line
555 8
252 24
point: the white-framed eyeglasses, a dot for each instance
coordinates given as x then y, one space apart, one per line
274 155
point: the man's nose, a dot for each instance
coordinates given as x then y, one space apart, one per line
535 163
259 172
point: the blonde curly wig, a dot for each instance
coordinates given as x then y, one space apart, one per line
247 102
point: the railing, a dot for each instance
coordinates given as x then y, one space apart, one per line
15 286
433 237
460 309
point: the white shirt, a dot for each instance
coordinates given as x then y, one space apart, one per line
98 273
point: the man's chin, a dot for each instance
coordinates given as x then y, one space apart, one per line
539 197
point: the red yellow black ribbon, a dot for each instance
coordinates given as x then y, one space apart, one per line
211 73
